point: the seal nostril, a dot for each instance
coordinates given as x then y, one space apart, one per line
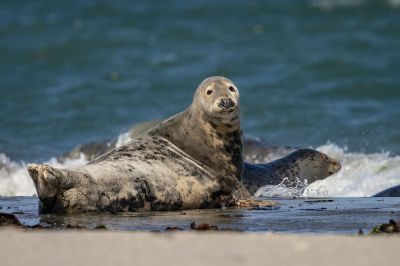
222 103
226 103
231 103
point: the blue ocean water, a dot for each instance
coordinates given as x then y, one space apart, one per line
309 72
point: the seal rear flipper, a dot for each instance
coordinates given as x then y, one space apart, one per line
45 178
50 184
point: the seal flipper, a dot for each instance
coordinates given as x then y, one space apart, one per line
45 178
47 181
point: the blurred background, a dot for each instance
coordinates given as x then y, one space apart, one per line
309 72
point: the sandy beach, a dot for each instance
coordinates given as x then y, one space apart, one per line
184 248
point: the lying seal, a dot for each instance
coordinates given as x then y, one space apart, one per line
191 160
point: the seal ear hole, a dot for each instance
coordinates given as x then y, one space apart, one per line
232 89
209 92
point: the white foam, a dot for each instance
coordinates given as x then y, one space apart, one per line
123 139
361 175
285 189
15 179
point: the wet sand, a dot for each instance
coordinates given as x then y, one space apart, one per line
189 248
345 216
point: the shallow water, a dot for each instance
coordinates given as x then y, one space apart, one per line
316 216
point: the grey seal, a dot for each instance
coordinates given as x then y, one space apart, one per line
191 160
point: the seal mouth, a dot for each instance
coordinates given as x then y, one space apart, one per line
224 106
227 104
228 110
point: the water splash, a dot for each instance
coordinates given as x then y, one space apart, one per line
123 139
285 189
15 179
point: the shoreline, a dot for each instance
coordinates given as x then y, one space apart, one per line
344 216
189 248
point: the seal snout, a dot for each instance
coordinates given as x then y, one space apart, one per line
335 166
226 103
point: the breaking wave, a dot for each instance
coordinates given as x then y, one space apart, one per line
362 175
15 179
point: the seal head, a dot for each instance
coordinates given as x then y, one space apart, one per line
217 98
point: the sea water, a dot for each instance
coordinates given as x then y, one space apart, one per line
319 73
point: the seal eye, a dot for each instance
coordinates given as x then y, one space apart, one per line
209 92
232 89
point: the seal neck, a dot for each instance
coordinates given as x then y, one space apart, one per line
210 141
